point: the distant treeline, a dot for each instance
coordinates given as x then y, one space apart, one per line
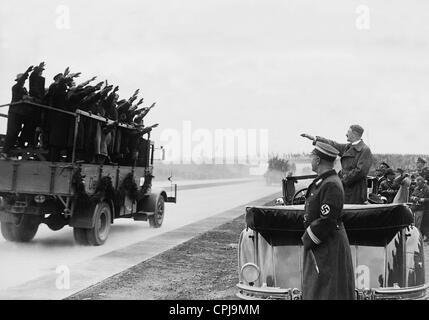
282 163
404 161
279 163
200 171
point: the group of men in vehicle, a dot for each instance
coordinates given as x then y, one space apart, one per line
44 118
415 184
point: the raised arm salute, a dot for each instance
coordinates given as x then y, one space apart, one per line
356 160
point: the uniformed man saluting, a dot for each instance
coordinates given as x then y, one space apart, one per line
356 160
328 266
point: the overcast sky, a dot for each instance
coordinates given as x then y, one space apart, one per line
286 66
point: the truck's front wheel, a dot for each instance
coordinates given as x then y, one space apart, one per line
97 235
22 232
155 220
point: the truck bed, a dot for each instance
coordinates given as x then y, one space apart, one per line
55 178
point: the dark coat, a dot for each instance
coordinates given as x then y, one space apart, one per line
58 122
388 189
18 93
328 265
422 193
356 160
37 87
376 184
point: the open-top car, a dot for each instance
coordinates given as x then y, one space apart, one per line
387 252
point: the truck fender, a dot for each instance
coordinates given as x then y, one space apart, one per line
148 204
160 192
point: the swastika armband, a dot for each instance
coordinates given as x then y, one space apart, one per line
325 209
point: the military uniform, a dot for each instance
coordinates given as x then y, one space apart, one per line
420 199
424 172
328 266
388 189
19 115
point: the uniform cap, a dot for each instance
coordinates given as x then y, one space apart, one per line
385 164
419 159
357 128
325 151
59 75
19 76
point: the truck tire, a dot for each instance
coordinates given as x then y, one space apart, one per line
97 235
155 220
79 235
22 232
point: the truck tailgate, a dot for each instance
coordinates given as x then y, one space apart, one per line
35 177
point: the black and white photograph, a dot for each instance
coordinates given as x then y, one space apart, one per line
227 151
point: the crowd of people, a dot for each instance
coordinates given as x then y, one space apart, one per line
52 128
388 183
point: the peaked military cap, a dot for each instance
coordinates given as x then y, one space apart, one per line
57 76
19 76
325 151
384 164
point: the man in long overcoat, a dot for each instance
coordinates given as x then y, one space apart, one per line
58 123
356 160
328 266
19 115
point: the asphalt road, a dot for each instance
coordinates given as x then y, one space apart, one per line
21 263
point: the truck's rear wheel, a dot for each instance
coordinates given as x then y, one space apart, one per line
155 220
22 232
79 235
97 235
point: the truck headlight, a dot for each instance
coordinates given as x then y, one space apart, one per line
250 272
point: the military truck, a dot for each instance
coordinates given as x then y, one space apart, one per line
87 197
278 169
